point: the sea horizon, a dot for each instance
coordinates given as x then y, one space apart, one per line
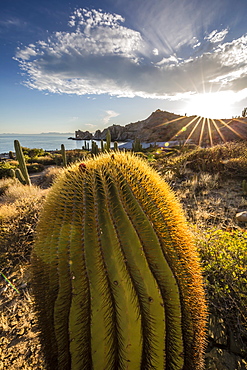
45 141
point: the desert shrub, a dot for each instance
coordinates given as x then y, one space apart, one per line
201 181
19 210
35 167
76 155
236 167
58 159
5 169
46 160
224 260
32 153
5 184
48 176
230 159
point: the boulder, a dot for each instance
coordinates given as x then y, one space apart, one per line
241 216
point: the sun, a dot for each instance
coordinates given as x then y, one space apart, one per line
211 105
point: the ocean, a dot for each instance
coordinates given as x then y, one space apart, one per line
44 141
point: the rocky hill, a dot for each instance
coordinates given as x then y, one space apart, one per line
166 126
154 128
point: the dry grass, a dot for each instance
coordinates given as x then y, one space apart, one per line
19 209
209 199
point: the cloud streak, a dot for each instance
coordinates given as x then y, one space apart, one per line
100 55
109 114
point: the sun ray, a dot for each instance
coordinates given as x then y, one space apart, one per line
238 120
192 131
230 128
218 130
202 131
184 128
209 132
166 123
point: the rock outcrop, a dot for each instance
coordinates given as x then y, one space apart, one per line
83 135
154 128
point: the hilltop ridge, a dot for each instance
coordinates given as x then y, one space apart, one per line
165 126
150 129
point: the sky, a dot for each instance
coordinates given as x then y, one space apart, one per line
68 65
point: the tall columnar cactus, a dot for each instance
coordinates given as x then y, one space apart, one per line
95 148
116 278
136 145
108 141
22 163
64 157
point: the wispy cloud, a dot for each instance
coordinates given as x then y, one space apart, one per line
109 114
216 36
12 22
101 55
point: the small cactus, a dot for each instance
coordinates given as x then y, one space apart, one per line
64 157
116 277
22 163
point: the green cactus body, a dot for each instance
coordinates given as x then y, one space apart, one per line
95 148
108 140
115 146
22 163
12 173
63 152
116 278
136 145
19 176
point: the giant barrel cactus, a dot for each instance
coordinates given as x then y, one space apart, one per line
117 282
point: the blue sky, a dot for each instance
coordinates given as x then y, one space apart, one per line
88 64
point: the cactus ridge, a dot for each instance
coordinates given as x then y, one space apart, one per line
160 269
178 250
116 278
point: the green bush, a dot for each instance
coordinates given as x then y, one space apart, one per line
224 259
32 153
35 167
45 160
5 169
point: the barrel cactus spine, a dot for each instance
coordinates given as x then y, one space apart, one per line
22 163
117 281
